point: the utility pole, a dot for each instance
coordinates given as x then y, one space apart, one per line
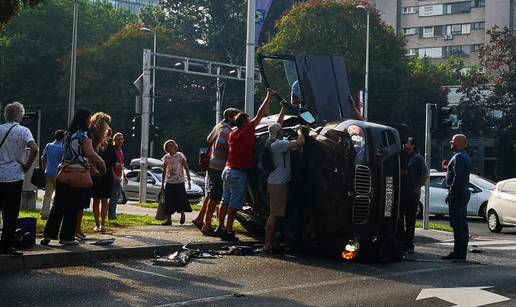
73 62
144 145
428 151
153 93
249 57
218 98
366 81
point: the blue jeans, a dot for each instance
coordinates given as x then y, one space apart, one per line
234 188
459 222
113 201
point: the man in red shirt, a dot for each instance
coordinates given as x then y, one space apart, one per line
240 159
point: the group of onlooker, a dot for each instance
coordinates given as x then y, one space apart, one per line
80 164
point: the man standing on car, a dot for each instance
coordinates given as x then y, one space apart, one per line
279 178
218 153
413 178
240 159
457 180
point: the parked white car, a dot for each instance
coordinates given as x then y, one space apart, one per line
481 189
501 209
131 189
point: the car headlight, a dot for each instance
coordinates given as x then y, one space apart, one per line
351 250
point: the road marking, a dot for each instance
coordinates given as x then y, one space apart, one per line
463 297
303 286
486 244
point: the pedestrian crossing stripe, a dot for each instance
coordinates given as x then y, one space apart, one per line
488 244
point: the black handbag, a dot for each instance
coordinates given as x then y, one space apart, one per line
38 178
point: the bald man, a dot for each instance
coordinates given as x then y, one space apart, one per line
457 180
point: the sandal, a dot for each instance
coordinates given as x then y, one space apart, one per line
199 225
182 219
209 233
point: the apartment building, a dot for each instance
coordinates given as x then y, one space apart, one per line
443 28
133 6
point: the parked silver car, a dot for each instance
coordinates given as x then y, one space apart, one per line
131 189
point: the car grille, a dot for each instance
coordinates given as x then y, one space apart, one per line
361 209
362 180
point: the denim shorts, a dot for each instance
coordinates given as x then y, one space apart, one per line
235 188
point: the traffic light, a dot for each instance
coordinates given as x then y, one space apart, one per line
443 118
135 129
154 132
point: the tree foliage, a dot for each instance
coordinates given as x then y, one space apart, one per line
11 8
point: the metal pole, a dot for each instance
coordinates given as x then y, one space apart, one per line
38 137
428 151
249 57
366 85
153 93
218 99
144 146
73 61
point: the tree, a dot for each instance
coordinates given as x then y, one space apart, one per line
10 8
33 44
489 101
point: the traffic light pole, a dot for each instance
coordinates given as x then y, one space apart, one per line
144 146
428 152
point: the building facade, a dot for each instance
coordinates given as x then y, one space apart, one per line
440 29
133 6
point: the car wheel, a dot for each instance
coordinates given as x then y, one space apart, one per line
419 212
493 222
122 200
482 211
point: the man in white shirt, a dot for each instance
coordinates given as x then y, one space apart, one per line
14 139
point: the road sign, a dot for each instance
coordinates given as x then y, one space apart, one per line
463 297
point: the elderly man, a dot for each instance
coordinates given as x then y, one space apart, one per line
14 139
457 180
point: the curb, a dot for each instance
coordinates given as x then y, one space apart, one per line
39 261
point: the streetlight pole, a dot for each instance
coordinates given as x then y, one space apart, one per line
249 57
73 62
366 81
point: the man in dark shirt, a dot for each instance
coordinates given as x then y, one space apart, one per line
457 180
413 177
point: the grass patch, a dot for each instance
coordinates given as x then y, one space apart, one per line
88 221
196 207
434 226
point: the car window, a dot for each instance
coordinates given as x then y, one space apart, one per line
133 176
509 187
437 181
483 183
475 188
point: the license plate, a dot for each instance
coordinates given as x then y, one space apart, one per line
389 196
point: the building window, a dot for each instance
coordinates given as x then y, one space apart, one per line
463 51
465 28
458 7
411 52
428 32
409 10
433 53
479 25
478 3
430 10
410 31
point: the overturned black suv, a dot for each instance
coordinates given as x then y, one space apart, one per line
344 193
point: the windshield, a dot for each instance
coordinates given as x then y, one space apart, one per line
483 183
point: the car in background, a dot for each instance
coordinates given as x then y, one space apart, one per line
131 189
501 208
481 189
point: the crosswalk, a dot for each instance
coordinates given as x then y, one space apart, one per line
487 243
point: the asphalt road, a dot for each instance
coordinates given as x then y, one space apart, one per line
478 227
274 281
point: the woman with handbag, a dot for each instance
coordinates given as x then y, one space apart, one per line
73 181
174 168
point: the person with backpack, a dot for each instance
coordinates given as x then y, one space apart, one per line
279 178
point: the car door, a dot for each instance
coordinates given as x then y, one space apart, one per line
153 187
131 189
474 200
507 201
438 194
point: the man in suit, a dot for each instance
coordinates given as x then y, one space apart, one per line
457 180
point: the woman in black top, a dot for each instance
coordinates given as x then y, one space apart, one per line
103 185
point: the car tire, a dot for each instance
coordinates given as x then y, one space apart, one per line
122 200
419 212
493 222
482 211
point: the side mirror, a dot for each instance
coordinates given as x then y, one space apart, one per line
472 190
307 117
151 181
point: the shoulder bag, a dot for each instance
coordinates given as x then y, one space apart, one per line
75 176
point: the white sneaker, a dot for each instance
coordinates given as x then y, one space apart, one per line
69 242
97 228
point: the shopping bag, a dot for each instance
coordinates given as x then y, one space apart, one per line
160 213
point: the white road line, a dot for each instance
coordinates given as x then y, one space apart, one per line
307 285
483 243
